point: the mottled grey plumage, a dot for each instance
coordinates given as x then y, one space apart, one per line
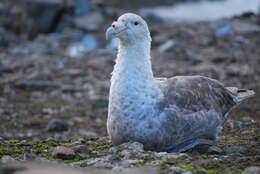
172 114
198 106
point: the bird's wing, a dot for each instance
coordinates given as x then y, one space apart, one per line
196 106
196 93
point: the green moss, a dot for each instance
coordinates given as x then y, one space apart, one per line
10 150
202 170
39 148
77 157
139 163
102 147
84 165
169 162
13 141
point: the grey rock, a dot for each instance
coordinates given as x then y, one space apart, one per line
38 48
54 37
245 27
214 150
82 7
64 153
133 146
234 124
90 22
81 149
176 170
224 31
167 46
27 156
57 126
87 133
152 17
37 84
235 149
252 170
44 14
87 44
100 102
7 159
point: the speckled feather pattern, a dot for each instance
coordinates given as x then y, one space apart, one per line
162 113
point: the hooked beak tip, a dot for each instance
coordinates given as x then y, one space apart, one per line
110 33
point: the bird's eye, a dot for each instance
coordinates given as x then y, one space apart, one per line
136 23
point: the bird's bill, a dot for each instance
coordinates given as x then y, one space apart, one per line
114 32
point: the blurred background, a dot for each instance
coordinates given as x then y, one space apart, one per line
55 63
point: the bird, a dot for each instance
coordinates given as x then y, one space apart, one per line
164 114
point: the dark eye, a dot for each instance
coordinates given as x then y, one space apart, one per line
136 23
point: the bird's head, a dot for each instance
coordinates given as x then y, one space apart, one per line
129 28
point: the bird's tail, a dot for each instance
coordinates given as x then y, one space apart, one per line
240 94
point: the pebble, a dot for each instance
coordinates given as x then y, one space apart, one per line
133 146
245 27
252 170
90 22
57 126
214 150
82 7
86 133
64 153
234 124
7 159
177 170
234 149
223 31
87 44
27 156
81 149
167 46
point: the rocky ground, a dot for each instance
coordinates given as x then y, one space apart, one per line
54 88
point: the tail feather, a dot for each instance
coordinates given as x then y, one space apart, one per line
240 94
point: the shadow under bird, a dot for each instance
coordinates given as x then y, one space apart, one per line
164 114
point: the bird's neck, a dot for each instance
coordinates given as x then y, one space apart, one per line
133 63
132 78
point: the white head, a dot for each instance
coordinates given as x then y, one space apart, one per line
130 29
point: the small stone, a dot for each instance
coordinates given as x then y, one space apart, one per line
27 156
133 146
130 162
252 170
224 31
64 153
87 44
86 133
81 149
167 46
214 150
82 7
234 124
234 149
7 159
57 126
90 22
176 170
245 27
